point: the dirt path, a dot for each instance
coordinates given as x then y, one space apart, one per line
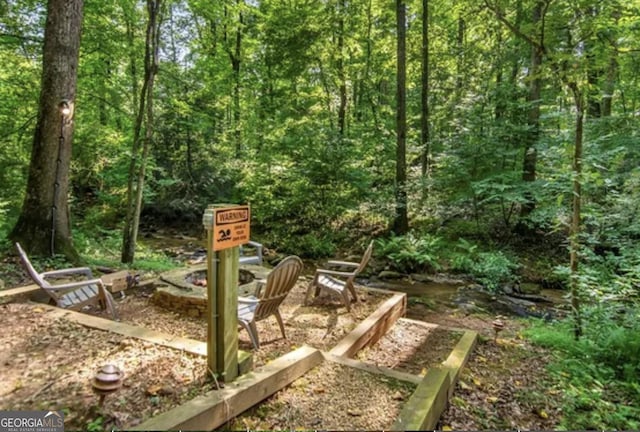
505 384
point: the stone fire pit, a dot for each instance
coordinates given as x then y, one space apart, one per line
185 290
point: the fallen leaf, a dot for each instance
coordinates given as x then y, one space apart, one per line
492 399
398 396
464 385
458 401
154 389
446 428
543 414
423 372
477 382
354 412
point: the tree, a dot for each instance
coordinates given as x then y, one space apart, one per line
401 221
141 145
424 95
43 226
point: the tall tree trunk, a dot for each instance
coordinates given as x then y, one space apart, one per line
424 95
43 226
460 58
610 83
576 215
234 50
533 118
401 221
611 74
342 110
594 101
235 61
137 166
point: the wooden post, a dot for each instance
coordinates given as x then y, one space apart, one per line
227 228
227 312
212 357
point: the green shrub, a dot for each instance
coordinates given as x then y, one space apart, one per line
307 246
411 254
600 373
491 269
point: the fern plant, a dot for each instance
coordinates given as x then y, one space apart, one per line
411 254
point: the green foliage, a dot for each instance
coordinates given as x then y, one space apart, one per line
95 425
598 374
101 247
410 253
307 245
491 269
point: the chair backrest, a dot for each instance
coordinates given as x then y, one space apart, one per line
365 258
39 280
279 282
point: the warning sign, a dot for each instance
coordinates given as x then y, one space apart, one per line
230 227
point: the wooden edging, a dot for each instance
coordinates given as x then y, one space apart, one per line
459 357
156 337
373 328
245 359
28 289
424 408
379 370
217 407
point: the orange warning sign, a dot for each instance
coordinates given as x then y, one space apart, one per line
230 227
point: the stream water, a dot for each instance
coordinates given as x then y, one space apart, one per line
547 304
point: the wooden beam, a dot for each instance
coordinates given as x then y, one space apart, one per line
245 359
459 357
227 313
217 407
28 289
379 370
425 406
373 328
423 409
428 325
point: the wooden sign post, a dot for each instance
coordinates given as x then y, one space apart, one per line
227 228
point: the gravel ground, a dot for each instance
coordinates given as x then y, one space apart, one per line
330 397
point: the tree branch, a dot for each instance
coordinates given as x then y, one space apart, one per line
512 27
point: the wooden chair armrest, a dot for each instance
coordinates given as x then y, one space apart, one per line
260 283
255 244
342 264
334 273
77 284
247 300
77 270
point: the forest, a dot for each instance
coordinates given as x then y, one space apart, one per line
495 139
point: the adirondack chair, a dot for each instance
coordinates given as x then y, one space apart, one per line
71 295
268 298
251 259
338 281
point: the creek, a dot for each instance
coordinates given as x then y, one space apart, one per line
472 298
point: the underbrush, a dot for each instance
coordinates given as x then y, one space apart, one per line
599 375
416 253
104 249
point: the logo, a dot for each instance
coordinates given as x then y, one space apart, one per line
224 235
31 421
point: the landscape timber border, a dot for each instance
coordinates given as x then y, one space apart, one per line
216 408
